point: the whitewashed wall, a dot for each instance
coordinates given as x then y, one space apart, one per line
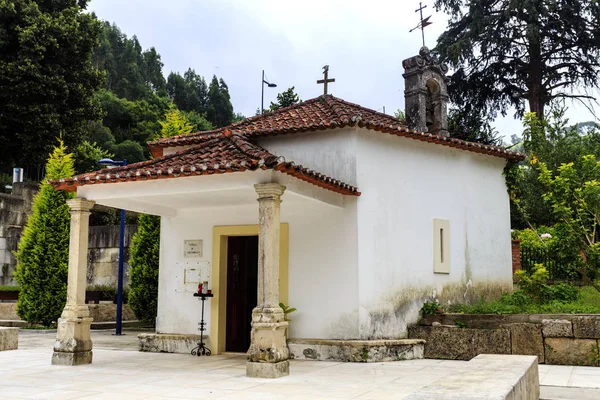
322 265
332 153
405 184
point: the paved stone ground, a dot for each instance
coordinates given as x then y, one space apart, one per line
119 371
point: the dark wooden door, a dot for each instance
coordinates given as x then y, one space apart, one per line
242 279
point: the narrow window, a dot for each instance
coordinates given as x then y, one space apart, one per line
442 245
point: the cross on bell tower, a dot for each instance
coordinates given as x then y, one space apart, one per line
325 81
423 23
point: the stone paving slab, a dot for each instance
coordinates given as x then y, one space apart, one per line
26 373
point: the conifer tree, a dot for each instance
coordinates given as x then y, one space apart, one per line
43 252
143 264
175 123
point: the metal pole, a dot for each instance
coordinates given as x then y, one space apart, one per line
119 322
262 97
120 278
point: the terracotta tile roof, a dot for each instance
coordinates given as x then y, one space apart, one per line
329 112
216 153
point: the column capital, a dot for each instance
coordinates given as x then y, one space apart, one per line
269 190
80 204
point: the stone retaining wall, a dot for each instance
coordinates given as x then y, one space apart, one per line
562 339
103 312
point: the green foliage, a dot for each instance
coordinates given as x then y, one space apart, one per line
10 288
573 192
87 156
143 262
534 284
547 48
430 308
175 123
43 251
219 110
131 73
285 99
287 310
461 324
552 141
587 302
199 122
48 80
472 127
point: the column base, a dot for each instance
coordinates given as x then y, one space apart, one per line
73 344
267 370
79 358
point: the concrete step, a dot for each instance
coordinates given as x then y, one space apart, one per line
568 393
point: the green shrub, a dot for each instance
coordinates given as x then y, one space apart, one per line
430 308
43 252
535 285
110 291
143 262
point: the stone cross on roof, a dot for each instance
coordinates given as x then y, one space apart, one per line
325 81
424 22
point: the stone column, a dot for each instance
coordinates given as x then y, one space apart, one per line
73 343
268 354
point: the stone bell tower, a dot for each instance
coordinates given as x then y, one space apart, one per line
426 93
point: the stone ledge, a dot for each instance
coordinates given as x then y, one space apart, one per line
168 342
356 350
487 377
9 338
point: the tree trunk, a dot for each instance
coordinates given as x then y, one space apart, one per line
536 95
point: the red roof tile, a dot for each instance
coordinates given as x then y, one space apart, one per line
217 153
329 112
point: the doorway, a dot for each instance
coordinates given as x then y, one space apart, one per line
242 282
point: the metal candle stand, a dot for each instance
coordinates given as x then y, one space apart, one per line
201 349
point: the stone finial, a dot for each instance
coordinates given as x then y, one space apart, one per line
426 93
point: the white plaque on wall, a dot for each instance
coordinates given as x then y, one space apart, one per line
192 248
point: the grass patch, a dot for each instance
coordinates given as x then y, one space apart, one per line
587 302
10 288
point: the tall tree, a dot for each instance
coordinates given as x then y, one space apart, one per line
508 53
285 99
220 110
47 79
44 248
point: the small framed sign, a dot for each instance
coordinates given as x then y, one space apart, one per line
192 248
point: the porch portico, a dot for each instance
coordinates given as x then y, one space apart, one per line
224 204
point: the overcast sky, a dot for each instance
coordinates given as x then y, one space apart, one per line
363 42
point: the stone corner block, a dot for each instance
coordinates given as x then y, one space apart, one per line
569 351
586 327
553 328
526 339
9 338
267 370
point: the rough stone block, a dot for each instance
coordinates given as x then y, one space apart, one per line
461 343
356 350
9 338
71 359
168 343
586 327
267 370
567 351
526 339
552 328
487 377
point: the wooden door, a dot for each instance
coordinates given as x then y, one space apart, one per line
242 279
